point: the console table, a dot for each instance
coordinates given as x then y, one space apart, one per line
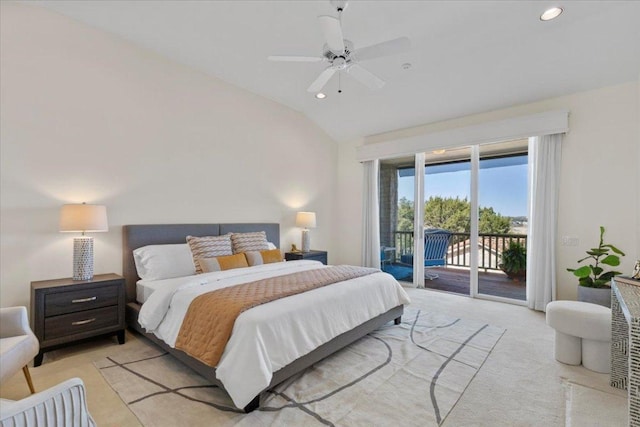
625 342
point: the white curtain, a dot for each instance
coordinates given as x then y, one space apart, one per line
544 179
370 216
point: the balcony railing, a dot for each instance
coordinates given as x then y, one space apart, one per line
490 247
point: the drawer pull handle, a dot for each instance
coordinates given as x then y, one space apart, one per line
83 322
84 299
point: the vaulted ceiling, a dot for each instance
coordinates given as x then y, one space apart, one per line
466 56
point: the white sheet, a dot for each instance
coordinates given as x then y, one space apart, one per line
144 289
270 336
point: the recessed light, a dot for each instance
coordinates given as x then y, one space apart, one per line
320 95
551 13
442 151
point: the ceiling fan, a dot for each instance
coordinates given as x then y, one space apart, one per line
341 55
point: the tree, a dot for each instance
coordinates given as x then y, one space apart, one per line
453 215
491 222
405 215
450 214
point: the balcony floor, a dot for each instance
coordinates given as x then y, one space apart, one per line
456 280
494 283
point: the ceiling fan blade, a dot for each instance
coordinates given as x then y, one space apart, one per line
390 47
322 80
365 77
284 58
332 31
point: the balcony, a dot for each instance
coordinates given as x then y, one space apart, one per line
455 276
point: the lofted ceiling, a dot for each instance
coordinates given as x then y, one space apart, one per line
466 56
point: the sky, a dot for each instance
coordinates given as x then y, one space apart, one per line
502 183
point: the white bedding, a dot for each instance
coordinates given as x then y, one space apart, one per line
270 336
144 288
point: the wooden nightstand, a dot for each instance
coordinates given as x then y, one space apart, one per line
312 255
64 311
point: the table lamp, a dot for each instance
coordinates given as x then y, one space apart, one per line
83 218
306 220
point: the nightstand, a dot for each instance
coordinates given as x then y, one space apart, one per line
64 311
312 255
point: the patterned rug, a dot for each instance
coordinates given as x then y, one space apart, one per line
410 374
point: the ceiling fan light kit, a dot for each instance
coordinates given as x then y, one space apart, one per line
551 13
340 54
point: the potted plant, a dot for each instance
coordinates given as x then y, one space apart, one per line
594 281
514 261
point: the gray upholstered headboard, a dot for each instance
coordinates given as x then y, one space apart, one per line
136 236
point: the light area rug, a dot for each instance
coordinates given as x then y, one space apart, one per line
588 407
410 374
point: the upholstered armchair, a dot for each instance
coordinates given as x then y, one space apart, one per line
64 405
18 344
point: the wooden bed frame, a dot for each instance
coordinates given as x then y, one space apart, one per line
136 236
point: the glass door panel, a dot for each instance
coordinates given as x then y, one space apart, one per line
447 220
502 224
397 206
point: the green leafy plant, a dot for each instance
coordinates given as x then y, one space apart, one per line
594 275
514 259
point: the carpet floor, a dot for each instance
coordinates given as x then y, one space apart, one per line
410 374
520 383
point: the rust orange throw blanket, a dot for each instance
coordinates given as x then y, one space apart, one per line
209 321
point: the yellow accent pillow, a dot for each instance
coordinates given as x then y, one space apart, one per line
272 255
222 263
263 257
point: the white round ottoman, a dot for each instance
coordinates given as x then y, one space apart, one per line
583 334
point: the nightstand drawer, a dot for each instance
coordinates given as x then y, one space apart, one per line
312 255
322 258
83 321
78 300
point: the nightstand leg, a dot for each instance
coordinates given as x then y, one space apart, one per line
397 320
37 361
121 337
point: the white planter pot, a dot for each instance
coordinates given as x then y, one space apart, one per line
600 296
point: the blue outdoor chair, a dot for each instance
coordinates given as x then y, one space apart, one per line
436 243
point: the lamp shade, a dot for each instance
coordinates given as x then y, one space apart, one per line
83 218
306 219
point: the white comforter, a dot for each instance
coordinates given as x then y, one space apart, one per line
270 336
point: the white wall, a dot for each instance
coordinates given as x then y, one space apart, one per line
89 117
600 174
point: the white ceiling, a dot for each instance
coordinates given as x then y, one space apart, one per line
467 56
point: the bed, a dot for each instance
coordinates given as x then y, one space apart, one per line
137 236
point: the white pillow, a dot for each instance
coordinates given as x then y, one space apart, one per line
157 262
271 245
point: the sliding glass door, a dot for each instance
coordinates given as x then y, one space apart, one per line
447 220
503 225
455 220
397 217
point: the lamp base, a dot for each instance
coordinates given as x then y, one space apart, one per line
83 258
306 241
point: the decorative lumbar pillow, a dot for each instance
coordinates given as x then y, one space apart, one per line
157 262
222 263
246 242
209 247
263 257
